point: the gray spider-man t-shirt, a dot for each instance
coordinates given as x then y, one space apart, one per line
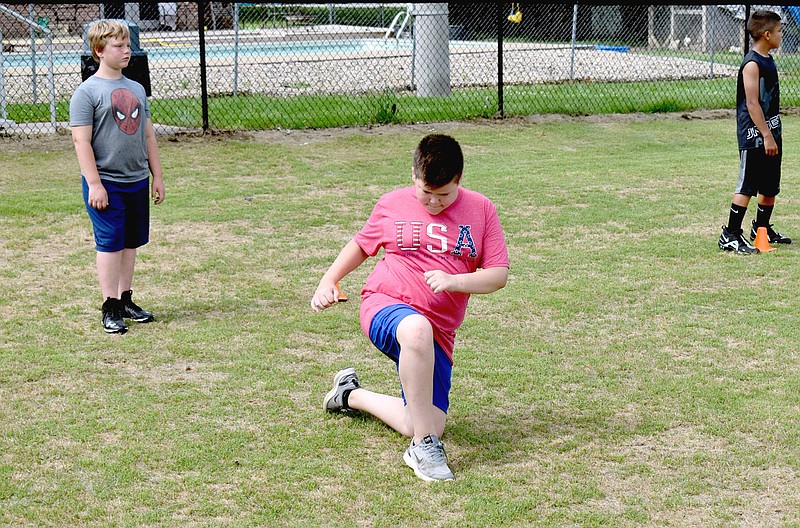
117 110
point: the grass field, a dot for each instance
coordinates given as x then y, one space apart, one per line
629 375
259 112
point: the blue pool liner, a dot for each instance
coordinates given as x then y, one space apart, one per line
621 49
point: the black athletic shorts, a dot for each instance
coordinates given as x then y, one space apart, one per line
759 173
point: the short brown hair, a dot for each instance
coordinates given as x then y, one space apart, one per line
762 21
103 30
438 160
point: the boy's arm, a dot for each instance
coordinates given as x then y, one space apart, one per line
154 160
751 92
82 139
350 257
486 280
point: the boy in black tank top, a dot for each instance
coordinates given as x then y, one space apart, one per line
759 136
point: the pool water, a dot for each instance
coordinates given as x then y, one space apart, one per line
178 51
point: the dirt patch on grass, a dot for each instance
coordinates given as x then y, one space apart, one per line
305 136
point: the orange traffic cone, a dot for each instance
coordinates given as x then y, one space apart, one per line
342 297
762 240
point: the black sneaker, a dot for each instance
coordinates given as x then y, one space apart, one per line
734 241
774 236
112 317
132 311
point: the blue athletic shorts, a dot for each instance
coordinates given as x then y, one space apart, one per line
383 332
125 223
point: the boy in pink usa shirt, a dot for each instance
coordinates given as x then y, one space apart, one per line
441 244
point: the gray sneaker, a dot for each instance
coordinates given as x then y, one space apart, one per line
428 459
345 380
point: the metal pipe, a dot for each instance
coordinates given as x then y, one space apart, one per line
500 22
201 12
235 49
51 79
711 40
572 46
3 114
32 33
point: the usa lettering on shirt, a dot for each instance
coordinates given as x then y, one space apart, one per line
437 232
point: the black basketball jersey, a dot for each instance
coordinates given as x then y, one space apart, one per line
768 96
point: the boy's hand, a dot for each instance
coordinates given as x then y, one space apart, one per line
770 146
98 197
440 281
326 296
158 190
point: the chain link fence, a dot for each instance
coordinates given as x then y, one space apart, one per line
248 66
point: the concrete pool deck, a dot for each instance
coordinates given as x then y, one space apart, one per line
360 72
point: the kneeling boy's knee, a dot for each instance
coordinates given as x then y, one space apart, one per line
415 331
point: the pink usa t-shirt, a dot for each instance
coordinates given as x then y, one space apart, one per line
461 239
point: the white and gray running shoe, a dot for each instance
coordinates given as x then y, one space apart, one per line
428 459
344 380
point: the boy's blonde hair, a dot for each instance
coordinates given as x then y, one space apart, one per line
101 31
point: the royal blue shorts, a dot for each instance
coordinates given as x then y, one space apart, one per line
383 334
125 223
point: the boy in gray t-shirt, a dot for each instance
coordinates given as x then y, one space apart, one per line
117 151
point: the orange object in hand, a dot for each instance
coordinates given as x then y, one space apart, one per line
342 297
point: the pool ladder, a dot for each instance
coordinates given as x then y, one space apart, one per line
406 16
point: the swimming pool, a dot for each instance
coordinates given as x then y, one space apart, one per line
179 51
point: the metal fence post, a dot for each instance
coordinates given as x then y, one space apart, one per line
235 49
3 114
32 34
500 21
572 46
746 34
201 20
51 80
711 43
